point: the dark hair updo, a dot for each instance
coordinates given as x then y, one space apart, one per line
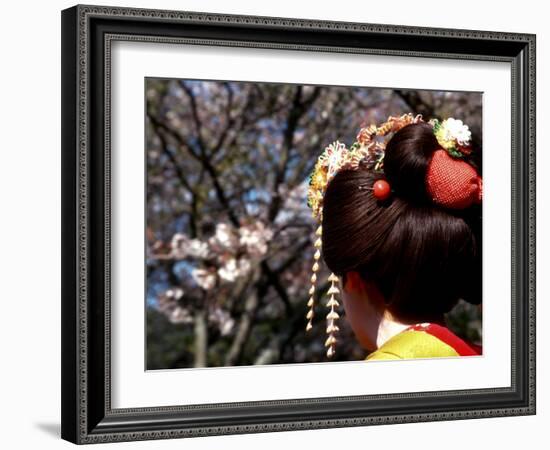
422 258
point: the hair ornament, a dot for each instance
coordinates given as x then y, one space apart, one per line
452 182
367 151
453 136
381 189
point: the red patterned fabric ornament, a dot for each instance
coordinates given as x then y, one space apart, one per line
452 183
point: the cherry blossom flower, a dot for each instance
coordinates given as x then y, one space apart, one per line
198 248
223 320
255 238
224 237
178 245
180 315
204 278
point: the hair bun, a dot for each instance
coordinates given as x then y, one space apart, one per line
406 161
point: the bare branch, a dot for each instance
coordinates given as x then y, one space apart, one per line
206 164
296 112
196 119
230 121
201 339
413 100
180 175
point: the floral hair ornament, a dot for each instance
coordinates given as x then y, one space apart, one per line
367 151
453 136
452 182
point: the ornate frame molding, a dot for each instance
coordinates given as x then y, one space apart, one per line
88 32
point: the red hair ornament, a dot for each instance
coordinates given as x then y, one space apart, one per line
381 189
452 183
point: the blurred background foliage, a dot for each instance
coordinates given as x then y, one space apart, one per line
229 234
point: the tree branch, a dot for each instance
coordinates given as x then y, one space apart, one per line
413 100
229 120
208 167
296 112
201 339
180 175
196 119
243 330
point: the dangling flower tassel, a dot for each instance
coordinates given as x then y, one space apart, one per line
332 316
314 269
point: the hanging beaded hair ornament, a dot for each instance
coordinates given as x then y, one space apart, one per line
450 181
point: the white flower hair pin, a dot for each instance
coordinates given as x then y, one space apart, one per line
453 135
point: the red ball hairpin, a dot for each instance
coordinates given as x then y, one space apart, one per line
381 189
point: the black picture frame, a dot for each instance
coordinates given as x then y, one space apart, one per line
87 33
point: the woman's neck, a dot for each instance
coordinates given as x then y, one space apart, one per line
389 327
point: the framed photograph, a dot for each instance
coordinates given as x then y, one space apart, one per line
282 224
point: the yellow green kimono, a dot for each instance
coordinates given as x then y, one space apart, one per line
426 340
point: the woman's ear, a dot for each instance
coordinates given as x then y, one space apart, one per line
354 282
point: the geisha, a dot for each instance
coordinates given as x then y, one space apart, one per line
399 228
